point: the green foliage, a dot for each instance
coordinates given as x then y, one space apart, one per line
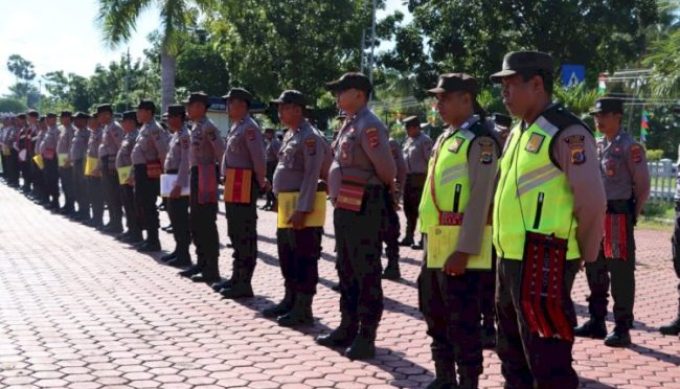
654 154
201 67
578 99
473 35
20 67
8 104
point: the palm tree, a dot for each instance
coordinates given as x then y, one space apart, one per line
118 19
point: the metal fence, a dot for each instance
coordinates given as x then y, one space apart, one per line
662 174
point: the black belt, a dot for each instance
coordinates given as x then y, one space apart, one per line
620 206
172 171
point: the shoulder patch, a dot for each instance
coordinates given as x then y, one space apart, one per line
486 156
373 137
636 153
250 134
535 143
310 145
456 144
576 145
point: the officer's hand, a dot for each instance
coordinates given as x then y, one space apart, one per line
456 264
175 192
297 219
267 186
130 181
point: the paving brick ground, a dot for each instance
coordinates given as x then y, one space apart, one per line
80 310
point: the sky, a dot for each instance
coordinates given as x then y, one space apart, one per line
64 35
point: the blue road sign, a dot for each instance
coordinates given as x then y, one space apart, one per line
573 75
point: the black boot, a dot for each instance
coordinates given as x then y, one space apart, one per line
341 336
240 287
445 375
488 335
301 314
169 257
392 270
468 381
281 308
407 241
188 273
620 337
674 327
593 328
223 283
363 346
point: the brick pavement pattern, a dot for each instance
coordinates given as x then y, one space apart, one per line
80 310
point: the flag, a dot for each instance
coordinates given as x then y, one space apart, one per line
644 126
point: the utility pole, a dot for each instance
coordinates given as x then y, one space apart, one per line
372 62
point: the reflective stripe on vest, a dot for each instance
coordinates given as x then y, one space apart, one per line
533 194
449 168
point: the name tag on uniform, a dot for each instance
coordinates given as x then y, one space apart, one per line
535 142
287 202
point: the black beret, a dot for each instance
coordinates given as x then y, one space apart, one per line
350 80
104 108
239 94
411 121
176 110
51 115
147 105
290 97
200 97
606 105
66 114
21 116
81 115
521 61
455 82
130 115
33 113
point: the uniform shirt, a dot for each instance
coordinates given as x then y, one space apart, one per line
361 150
271 149
8 137
49 142
590 202
417 153
623 167
178 156
79 144
38 139
301 157
124 155
400 165
94 142
65 139
245 149
151 144
207 147
112 136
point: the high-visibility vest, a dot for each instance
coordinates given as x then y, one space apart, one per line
533 194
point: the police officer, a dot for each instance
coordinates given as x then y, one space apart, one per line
391 226
673 328
548 213
362 171
177 162
243 166
26 147
417 150
93 174
299 244
112 136
133 234
149 150
48 150
457 195
271 152
37 171
11 163
77 154
65 165
206 150
623 167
